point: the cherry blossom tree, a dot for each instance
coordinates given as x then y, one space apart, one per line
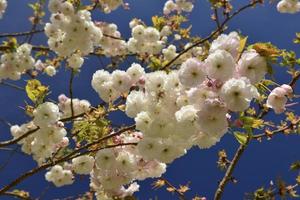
180 90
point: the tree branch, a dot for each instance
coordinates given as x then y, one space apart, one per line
213 34
242 147
280 130
228 174
189 48
71 92
19 34
66 158
13 141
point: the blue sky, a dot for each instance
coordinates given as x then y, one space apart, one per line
261 163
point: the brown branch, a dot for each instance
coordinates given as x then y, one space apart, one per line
26 33
71 92
213 34
242 147
65 158
294 80
216 19
277 131
228 174
45 166
112 37
19 34
13 141
71 118
180 194
102 139
34 48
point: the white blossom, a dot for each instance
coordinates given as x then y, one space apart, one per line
46 114
50 70
14 64
83 164
220 65
192 73
252 65
229 43
277 99
238 93
135 103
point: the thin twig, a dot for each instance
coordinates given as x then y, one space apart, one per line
217 20
71 92
277 131
19 34
213 34
10 156
15 140
180 194
12 85
294 80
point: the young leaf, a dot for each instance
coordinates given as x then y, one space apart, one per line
35 90
266 49
242 46
242 138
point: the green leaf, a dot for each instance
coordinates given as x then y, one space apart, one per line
90 129
242 46
36 92
242 138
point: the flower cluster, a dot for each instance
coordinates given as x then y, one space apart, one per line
145 40
111 86
79 106
83 164
71 30
60 176
50 70
190 106
178 6
110 169
14 64
120 166
229 43
112 44
3 5
50 135
277 99
288 6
